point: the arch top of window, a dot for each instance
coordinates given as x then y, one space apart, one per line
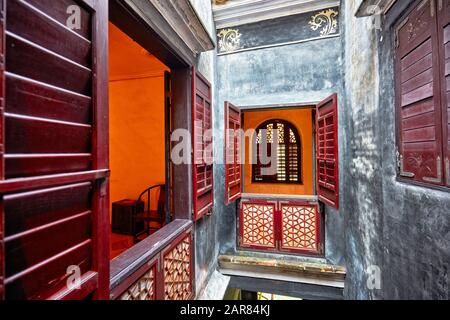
287 133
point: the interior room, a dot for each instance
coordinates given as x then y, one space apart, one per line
137 123
295 172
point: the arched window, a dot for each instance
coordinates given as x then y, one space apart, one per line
288 153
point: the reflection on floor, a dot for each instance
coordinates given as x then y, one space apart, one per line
118 244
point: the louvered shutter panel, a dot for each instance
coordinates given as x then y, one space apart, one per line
53 184
233 150
418 97
202 147
2 105
327 164
444 46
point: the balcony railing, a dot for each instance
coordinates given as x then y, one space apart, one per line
157 268
277 223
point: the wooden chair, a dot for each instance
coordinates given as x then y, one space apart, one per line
150 216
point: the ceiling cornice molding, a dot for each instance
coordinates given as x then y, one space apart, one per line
239 12
184 19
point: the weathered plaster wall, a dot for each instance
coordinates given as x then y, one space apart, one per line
206 230
402 229
301 73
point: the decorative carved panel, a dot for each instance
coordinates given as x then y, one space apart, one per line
143 289
177 271
299 227
258 225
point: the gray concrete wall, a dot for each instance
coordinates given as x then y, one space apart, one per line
296 73
402 229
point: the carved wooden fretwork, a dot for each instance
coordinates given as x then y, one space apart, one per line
258 221
299 227
177 271
143 289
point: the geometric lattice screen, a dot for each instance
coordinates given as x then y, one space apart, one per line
258 222
280 226
143 289
177 271
299 225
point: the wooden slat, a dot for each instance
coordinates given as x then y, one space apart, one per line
32 61
417 68
29 135
38 100
420 135
25 184
419 94
45 206
421 121
422 51
33 25
417 109
28 249
20 166
49 277
418 81
58 11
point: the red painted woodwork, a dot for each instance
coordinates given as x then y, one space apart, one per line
258 225
300 227
327 156
168 270
232 153
419 114
202 146
280 226
2 140
54 168
444 54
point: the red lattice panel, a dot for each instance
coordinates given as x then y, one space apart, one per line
300 228
257 225
177 271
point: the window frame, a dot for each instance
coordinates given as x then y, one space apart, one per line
299 170
440 107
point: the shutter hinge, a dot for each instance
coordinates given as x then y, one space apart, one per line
438 179
321 248
447 169
400 167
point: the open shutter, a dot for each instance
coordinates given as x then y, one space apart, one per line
202 146
54 168
327 165
444 46
419 134
2 105
232 153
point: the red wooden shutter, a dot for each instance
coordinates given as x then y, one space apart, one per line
54 168
2 150
202 146
419 135
327 164
232 153
444 46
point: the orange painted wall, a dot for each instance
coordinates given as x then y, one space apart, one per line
302 120
136 118
136 136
